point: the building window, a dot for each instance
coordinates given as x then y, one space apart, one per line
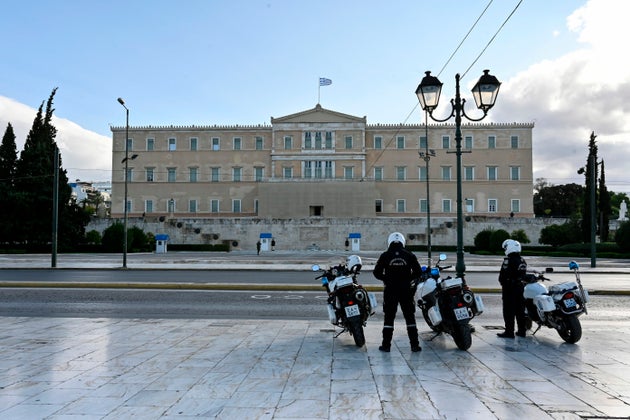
378 174
236 174
348 172
348 142
256 206
193 143
401 173
193 174
318 140
259 143
515 173
329 142
378 206
130 144
422 143
492 173
514 142
378 142
258 174
470 205
400 206
492 142
446 142
214 206
468 142
236 206
316 211
287 172
492 205
423 205
172 144
149 172
148 206
308 141
400 142
469 173
328 169
446 205
446 173
170 206
214 175
236 143
288 142
515 205
129 174
172 174
215 143
422 173
192 206
150 144
129 206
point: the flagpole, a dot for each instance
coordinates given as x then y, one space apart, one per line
319 88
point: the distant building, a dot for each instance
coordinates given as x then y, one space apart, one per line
322 163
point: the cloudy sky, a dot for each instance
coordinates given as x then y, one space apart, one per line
244 61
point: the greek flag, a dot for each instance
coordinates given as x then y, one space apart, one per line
324 82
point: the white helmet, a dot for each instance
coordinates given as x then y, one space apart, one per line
395 237
353 262
510 246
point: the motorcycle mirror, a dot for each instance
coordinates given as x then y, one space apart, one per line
549 270
315 267
442 257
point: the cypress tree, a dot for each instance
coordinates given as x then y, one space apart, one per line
8 161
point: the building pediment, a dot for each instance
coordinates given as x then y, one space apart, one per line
318 115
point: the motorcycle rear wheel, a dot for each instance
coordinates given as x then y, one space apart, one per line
356 330
570 329
462 336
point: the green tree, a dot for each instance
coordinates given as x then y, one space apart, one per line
591 165
520 235
557 200
557 235
605 208
482 240
34 189
8 161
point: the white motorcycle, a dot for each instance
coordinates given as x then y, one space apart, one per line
557 307
349 304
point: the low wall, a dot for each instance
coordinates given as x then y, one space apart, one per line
323 233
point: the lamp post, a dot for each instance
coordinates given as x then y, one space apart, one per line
126 162
485 93
426 156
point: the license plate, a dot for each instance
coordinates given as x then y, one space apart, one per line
352 310
461 313
569 303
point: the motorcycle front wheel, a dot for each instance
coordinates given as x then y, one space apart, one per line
570 329
462 336
356 330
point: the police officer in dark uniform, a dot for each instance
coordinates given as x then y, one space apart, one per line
397 268
512 272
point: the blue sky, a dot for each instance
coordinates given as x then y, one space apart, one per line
244 61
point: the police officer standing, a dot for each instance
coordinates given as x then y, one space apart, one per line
397 268
512 272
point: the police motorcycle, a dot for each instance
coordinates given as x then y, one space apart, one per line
349 304
447 304
558 306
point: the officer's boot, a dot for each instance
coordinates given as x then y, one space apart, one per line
388 333
412 332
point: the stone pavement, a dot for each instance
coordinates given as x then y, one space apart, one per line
106 368
67 368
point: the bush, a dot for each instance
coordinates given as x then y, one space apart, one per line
482 240
521 236
497 238
557 235
622 236
112 240
93 237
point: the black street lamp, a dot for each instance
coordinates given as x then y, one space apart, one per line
126 162
426 156
592 182
485 93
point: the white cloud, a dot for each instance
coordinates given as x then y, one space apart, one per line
85 154
585 91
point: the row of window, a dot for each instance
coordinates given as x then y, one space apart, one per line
321 170
323 140
401 206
